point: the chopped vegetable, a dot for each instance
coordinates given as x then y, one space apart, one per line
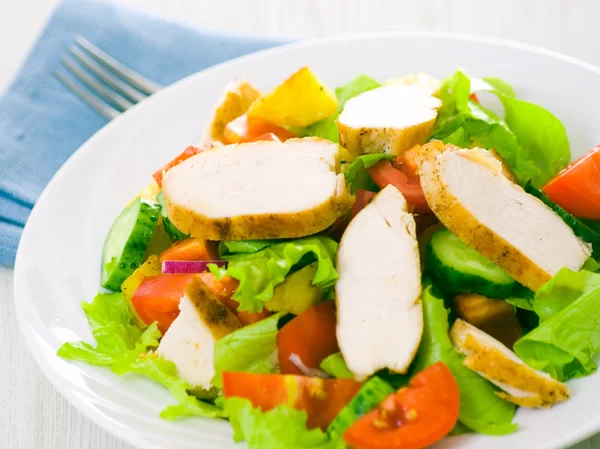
127 241
566 341
310 337
460 269
157 298
335 366
252 349
322 399
577 187
413 418
191 249
302 99
248 129
260 272
280 427
371 394
296 293
189 266
173 233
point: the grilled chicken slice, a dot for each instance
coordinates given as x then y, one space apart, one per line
258 190
391 119
378 293
235 101
521 384
190 341
468 191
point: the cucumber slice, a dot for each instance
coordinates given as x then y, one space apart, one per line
458 268
174 233
370 395
127 242
580 229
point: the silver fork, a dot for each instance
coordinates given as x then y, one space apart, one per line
111 87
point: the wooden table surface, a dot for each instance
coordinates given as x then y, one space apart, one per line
33 415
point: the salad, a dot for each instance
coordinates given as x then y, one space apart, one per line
376 267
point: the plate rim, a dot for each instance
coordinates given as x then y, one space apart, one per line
576 436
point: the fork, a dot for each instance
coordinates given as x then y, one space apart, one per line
110 87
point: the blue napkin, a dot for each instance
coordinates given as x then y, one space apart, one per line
42 123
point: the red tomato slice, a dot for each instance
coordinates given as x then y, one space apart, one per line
311 336
247 129
384 173
473 97
322 399
577 187
337 228
191 249
157 298
224 289
405 162
414 417
363 197
188 153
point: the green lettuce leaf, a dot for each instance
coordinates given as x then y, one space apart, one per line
250 349
591 265
124 347
114 330
568 336
356 175
244 246
280 428
260 272
326 128
531 140
480 409
335 366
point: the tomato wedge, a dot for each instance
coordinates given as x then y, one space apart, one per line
191 249
224 289
322 399
363 197
384 173
414 417
310 336
577 187
188 153
157 298
247 129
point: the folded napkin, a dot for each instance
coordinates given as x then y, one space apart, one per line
42 123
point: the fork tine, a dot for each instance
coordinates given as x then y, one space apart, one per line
99 106
105 76
135 79
97 87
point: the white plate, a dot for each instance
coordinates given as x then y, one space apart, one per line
58 262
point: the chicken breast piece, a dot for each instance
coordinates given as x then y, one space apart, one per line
468 191
521 384
258 190
190 341
235 101
378 293
389 119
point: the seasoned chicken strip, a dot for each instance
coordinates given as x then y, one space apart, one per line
390 119
378 293
235 101
468 192
522 385
258 190
191 338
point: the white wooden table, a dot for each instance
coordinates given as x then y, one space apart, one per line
32 414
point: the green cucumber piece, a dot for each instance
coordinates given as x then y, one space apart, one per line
174 233
459 269
370 395
127 241
580 229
